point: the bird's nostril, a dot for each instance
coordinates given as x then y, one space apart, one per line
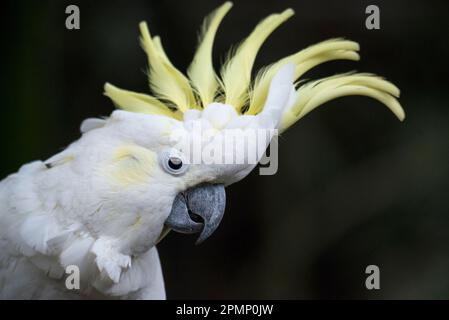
195 218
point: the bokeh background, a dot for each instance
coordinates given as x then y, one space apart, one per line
355 186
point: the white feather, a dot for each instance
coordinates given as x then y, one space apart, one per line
91 124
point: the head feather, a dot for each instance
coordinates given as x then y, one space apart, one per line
167 82
138 102
201 71
174 93
236 72
316 93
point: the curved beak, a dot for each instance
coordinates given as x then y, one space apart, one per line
198 210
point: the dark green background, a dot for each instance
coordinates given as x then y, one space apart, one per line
355 186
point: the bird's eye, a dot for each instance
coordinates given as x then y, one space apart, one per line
173 162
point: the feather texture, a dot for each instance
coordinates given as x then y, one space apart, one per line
91 124
236 72
201 71
316 93
167 82
138 102
102 203
235 86
306 59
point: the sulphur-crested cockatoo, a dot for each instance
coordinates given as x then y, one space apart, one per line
99 207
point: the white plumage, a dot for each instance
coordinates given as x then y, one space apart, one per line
102 204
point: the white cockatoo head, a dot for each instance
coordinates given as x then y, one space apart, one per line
174 152
147 171
162 162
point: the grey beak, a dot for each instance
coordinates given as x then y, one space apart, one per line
199 209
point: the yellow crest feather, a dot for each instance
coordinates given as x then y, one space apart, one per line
306 59
160 50
236 72
236 87
166 81
316 93
201 71
138 102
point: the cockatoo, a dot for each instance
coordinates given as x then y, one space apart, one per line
102 205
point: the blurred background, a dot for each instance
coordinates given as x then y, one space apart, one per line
355 186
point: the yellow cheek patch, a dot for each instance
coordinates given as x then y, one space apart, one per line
132 165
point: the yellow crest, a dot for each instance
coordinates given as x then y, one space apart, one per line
174 93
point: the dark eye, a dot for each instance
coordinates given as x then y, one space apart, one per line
173 162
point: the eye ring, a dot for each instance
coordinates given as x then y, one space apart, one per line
173 162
